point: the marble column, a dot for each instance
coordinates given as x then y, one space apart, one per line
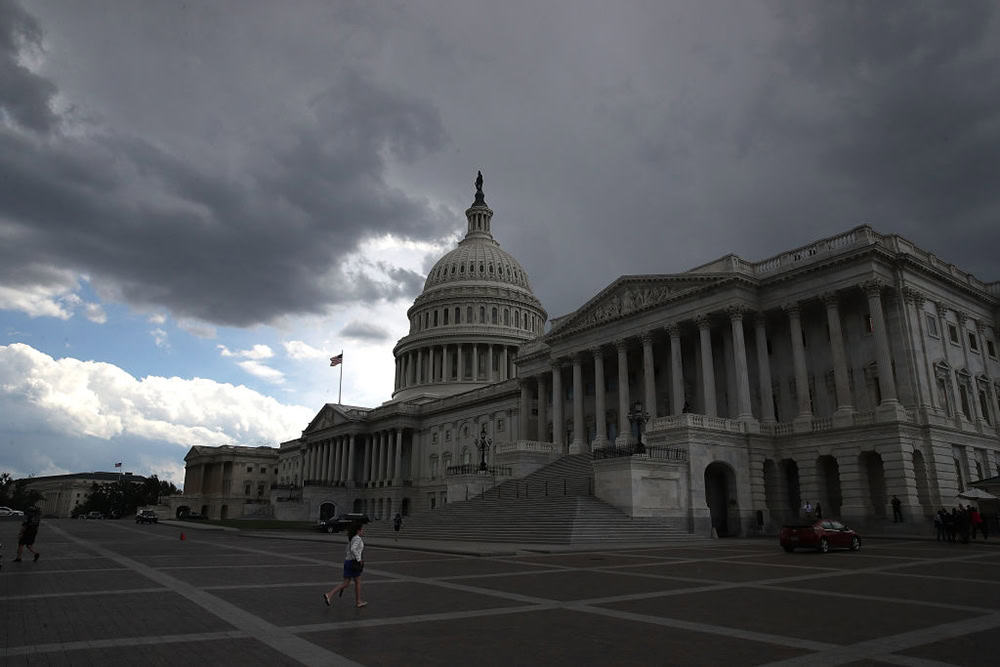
350 459
523 410
344 455
648 375
490 377
841 381
383 457
543 409
377 457
707 364
886 381
744 411
475 362
624 431
764 370
420 367
461 363
446 363
600 400
366 464
578 446
504 364
558 423
804 418
397 470
676 370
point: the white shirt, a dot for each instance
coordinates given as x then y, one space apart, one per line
355 548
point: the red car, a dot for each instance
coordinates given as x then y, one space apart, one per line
822 535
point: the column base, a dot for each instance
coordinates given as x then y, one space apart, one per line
802 424
843 417
578 447
600 442
892 410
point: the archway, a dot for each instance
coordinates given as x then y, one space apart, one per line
873 477
358 505
327 511
720 496
405 508
790 476
224 512
828 476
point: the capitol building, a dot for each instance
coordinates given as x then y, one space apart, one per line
845 372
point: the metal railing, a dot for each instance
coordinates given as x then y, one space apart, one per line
473 469
672 454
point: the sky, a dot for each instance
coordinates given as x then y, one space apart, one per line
201 202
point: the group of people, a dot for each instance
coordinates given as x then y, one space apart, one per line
961 523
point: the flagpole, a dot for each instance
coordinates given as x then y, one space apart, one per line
340 386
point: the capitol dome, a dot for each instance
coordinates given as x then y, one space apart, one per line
476 309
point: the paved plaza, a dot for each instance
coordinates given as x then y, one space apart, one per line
116 593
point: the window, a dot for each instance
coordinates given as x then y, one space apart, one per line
953 333
500 425
458 315
263 469
434 438
482 314
932 326
973 343
506 317
447 435
246 489
435 318
493 318
990 348
445 316
250 468
468 314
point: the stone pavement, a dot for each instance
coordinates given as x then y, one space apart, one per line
116 593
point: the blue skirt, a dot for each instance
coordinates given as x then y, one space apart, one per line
349 570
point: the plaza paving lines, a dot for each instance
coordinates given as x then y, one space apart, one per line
728 597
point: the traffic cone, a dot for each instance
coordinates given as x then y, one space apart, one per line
182 537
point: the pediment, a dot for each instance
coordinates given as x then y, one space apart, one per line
633 294
328 416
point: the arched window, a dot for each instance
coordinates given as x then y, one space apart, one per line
426 315
493 316
434 466
506 317
517 319
461 269
482 314
435 318
445 316
466 456
458 315
468 314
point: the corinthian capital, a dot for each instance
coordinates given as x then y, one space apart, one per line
736 312
872 288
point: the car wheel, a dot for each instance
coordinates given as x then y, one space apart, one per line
788 549
329 530
824 546
855 544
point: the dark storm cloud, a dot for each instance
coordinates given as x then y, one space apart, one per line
24 96
157 228
365 331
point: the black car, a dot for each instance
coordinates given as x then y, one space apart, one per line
146 516
194 516
342 522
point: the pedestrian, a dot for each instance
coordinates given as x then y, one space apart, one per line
807 509
985 525
897 510
397 523
940 525
819 511
951 524
963 524
354 564
29 530
975 520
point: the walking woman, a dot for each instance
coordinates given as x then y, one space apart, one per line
353 565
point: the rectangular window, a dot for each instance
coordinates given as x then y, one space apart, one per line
246 489
991 349
932 326
250 468
500 425
973 342
953 333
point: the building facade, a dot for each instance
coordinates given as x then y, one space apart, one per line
846 372
63 493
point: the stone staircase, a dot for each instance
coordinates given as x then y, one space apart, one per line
552 505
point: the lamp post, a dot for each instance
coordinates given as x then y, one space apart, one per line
640 417
483 442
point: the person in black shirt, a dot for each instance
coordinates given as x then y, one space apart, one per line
29 529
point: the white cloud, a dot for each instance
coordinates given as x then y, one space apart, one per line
158 319
95 313
256 352
159 337
98 399
36 300
262 371
297 349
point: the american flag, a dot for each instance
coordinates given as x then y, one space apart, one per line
337 360
118 465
